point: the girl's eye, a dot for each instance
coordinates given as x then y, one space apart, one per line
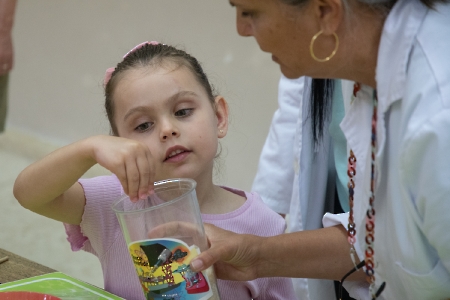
144 127
184 112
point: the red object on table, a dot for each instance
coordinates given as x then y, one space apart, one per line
26 296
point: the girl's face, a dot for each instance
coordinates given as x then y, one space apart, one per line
170 112
280 29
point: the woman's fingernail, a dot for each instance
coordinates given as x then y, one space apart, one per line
196 264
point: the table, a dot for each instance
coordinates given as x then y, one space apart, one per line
18 267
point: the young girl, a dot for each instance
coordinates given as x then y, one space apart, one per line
166 123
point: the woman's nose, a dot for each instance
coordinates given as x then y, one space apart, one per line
243 26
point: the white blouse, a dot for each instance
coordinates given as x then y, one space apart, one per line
412 196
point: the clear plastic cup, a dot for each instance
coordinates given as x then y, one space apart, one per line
164 233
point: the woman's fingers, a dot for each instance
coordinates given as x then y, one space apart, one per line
206 259
232 254
217 251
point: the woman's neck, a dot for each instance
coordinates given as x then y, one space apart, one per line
360 40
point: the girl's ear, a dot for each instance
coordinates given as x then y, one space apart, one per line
222 116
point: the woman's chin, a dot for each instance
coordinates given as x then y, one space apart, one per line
289 73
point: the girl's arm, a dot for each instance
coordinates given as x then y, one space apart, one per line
49 186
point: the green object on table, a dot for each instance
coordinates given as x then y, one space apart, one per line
60 285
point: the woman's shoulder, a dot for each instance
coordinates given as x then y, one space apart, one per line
434 49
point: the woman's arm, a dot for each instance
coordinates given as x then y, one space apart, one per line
49 186
321 253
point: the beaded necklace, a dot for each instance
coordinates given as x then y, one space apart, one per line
370 214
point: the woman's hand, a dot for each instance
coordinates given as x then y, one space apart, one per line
320 253
235 255
130 160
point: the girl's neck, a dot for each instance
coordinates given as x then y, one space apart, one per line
213 199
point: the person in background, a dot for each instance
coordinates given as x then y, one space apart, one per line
7 12
395 237
166 122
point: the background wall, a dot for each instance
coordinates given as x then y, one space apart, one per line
62 49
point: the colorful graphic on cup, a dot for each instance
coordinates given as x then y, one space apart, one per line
163 269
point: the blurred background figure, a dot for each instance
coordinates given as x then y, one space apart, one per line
7 9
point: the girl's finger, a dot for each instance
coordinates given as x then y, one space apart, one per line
144 175
151 177
121 174
132 178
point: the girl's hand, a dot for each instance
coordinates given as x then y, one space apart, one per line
130 160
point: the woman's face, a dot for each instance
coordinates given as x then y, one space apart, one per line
282 30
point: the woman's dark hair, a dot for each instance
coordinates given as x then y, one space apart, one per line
153 55
320 106
431 3
386 3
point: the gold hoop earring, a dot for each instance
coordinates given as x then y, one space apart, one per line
311 47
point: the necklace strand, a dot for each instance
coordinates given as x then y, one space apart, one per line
351 227
370 214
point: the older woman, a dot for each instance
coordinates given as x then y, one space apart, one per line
396 126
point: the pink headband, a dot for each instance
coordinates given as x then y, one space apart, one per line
109 71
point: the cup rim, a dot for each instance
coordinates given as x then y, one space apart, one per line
124 196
